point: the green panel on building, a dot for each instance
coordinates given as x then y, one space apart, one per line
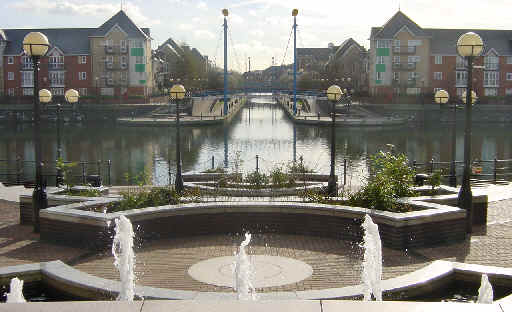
378 81
137 52
140 68
382 51
380 68
142 81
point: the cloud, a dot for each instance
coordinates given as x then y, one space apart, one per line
203 33
201 5
257 33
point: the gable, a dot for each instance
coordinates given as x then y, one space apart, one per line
396 23
116 29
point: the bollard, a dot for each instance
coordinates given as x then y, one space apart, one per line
318 114
495 168
83 172
345 171
432 166
99 168
109 165
19 169
257 163
213 162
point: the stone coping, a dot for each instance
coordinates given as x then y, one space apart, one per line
75 210
263 192
68 279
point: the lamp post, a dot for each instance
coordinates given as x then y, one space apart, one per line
442 97
334 95
225 12
177 93
469 45
71 97
35 45
295 12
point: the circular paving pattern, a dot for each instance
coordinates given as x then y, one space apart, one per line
335 263
269 271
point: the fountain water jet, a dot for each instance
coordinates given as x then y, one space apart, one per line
122 250
372 263
485 292
15 294
243 272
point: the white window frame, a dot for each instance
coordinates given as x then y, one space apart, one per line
491 91
10 76
10 91
438 75
438 59
509 76
509 59
396 76
82 91
28 91
396 59
10 60
491 79
379 44
82 59
82 75
379 76
508 91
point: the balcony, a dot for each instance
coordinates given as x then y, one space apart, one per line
491 66
461 65
404 50
406 66
491 83
26 66
411 82
56 66
115 66
461 83
57 82
116 49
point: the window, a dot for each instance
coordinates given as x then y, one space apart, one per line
438 59
124 76
491 62
10 76
10 60
412 75
380 76
57 91
383 43
107 91
460 91
26 62
461 62
509 59
140 44
396 76
140 59
82 91
461 78
123 62
413 59
28 91
27 78
10 91
396 59
82 76
82 59
56 78
508 91
56 62
123 46
491 79
438 76
414 43
490 91
413 91
509 76
396 46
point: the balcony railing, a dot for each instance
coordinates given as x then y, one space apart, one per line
491 66
26 66
56 66
460 65
494 83
461 83
404 49
57 82
116 49
402 66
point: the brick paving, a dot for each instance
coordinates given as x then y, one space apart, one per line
335 263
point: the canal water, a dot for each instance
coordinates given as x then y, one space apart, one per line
260 129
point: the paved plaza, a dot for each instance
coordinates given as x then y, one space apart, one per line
165 263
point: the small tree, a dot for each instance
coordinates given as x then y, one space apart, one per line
66 169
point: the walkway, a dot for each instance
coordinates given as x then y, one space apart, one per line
165 263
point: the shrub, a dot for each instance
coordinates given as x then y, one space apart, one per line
215 170
278 177
145 198
257 179
391 179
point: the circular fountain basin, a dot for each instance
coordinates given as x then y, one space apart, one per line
269 271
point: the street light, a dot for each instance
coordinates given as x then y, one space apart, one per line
177 93
35 45
71 97
469 46
334 95
442 97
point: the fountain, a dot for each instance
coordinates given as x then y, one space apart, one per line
243 272
372 263
16 293
485 292
122 250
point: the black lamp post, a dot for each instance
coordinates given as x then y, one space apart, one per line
71 97
178 93
334 95
35 45
469 45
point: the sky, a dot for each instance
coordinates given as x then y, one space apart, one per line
259 29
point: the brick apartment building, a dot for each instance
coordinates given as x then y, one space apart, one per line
407 59
112 60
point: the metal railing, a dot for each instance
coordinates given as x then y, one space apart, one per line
22 172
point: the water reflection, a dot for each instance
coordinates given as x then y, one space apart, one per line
261 128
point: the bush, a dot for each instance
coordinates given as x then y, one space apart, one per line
391 179
257 179
142 198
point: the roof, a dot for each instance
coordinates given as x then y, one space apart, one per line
69 40
444 41
318 53
396 23
123 21
346 45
